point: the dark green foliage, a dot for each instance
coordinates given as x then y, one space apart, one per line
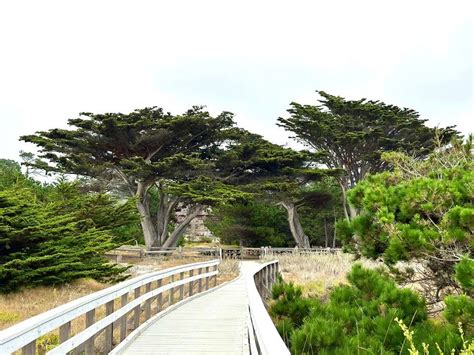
359 317
137 152
59 237
352 135
260 222
318 219
164 160
254 223
290 308
422 211
10 173
465 274
460 309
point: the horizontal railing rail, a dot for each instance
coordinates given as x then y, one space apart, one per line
220 252
263 336
270 251
145 290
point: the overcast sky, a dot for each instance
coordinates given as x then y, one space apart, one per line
59 58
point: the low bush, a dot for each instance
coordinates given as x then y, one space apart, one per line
361 318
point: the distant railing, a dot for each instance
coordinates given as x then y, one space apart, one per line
264 339
127 305
270 251
220 252
259 253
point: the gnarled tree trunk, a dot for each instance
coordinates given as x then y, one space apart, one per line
167 204
155 230
148 227
146 221
349 210
302 240
344 199
179 230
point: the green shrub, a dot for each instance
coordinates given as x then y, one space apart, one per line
289 308
460 309
57 240
465 274
423 209
360 318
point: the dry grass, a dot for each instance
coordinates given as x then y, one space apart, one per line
229 269
317 273
27 303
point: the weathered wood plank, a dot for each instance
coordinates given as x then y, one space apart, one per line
109 331
123 319
89 344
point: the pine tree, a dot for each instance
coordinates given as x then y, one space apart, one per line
54 242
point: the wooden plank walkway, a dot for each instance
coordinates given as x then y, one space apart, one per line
214 323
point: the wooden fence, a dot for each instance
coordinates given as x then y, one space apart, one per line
221 252
263 337
127 305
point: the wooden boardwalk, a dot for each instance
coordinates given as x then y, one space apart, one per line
227 319
213 323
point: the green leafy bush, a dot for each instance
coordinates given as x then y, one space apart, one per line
290 308
460 309
422 211
465 274
360 318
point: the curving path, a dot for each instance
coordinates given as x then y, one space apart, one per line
212 323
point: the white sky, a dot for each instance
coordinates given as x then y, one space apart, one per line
59 58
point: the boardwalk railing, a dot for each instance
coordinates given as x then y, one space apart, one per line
217 252
259 253
127 305
263 337
270 251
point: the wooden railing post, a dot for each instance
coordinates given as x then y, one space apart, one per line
200 281
181 288
272 277
109 331
267 280
89 345
191 273
29 349
159 298
64 332
215 276
148 302
137 310
123 319
207 278
171 291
